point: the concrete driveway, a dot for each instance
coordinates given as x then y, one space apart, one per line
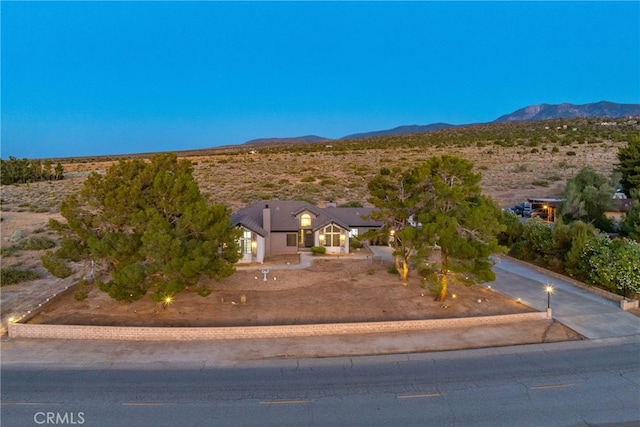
585 312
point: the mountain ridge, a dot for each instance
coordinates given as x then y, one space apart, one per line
540 112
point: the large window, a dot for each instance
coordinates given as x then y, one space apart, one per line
305 220
245 242
332 235
292 239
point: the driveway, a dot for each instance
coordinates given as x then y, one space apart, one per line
586 313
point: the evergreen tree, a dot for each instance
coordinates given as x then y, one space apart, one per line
587 196
456 218
629 166
149 228
392 193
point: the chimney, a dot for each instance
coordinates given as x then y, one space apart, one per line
266 224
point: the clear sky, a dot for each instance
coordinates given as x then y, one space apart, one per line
92 78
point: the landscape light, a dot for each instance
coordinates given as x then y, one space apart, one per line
167 300
549 290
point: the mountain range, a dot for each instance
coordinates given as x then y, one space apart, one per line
530 113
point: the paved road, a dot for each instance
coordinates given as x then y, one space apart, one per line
583 383
591 382
584 312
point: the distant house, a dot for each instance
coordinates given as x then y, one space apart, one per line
277 227
620 205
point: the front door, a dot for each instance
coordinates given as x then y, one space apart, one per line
308 238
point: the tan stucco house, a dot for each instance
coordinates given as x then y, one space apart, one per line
277 227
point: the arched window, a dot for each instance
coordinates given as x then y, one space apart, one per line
245 242
332 235
305 220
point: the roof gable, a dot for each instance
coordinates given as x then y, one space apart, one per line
285 216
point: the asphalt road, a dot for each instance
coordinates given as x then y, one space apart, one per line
587 383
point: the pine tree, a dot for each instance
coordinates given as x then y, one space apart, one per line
456 218
149 228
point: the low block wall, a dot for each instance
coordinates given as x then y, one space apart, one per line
77 332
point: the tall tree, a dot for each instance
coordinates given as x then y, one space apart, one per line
392 193
629 165
587 196
438 204
149 228
630 225
456 218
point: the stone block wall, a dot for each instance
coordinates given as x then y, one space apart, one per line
78 332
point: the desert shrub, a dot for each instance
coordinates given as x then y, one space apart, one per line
36 243
571 153
318 250
308 179
555 150
355 243
328 181
9 251
351 204
82 290
11 276
540 183
56 266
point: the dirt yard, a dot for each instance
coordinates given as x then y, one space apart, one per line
345 290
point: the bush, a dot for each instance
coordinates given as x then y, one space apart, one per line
82 291
571 153
318 250
9 252
355 243
11 276
56 266
36 243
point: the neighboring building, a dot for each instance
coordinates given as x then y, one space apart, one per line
547 208
620 205
277 227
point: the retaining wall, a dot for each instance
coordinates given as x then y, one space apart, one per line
25 330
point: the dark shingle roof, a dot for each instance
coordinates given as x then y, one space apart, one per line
283 216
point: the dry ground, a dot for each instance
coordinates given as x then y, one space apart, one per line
330 291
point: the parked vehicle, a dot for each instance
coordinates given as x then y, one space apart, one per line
523 209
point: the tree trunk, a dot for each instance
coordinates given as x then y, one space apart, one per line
443 276
402 266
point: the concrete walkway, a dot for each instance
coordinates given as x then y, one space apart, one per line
590 315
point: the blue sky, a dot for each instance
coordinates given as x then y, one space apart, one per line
93 78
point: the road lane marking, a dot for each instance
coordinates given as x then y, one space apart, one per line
143 404
284 402
414 396
541 387
29 403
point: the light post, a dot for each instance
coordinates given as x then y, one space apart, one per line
549 290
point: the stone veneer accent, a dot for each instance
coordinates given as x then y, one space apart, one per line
79 332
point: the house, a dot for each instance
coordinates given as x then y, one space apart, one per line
620 205
277 227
